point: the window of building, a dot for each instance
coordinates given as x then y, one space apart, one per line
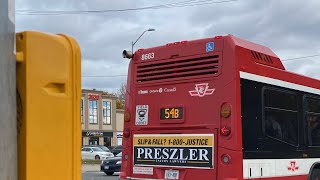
106 112
312 106
81 110
93 112
281 115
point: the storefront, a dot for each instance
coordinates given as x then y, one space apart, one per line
97 138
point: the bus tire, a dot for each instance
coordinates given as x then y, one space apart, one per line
314 173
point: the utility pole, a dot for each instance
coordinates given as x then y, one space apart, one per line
8 120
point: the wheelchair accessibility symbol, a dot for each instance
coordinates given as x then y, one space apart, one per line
209 46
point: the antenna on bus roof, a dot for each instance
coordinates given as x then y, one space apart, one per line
127 54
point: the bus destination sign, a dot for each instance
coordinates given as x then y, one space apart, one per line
171 113
174 150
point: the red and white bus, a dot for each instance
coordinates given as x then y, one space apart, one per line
219 108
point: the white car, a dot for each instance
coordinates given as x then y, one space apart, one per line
95 153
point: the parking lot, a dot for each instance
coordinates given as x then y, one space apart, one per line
98 176
92 172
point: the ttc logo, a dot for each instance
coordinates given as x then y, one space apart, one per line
201 90
293 166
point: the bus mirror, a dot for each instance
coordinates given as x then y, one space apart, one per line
127 54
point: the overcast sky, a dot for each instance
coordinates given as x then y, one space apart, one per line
291 28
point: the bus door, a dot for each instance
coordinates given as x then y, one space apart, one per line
175 154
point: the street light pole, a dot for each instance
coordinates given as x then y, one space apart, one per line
133 43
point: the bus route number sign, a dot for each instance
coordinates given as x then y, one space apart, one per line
171 113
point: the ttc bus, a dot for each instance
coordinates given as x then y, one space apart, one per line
219 108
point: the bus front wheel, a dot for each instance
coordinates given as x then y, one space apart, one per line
315 172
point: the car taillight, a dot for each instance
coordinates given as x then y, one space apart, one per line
126 133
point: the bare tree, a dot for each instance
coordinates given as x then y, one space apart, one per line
121 94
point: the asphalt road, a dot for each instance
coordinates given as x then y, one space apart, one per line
99 176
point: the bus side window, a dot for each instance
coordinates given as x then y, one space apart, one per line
273 127
281 115
313 129
313 121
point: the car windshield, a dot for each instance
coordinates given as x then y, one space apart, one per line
119 155
104 148
96 149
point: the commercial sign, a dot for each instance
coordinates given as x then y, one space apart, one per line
93 96
97 134
119 134
94 134
174 150
119 137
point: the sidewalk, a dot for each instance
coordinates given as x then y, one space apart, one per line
90 167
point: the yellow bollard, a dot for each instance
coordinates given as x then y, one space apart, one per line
48 107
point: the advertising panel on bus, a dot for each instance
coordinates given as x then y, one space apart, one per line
174 150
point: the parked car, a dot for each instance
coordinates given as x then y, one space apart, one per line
111 147
116 150
99 146
111 165
95 153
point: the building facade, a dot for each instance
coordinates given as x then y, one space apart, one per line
100 125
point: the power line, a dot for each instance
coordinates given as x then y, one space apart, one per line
109 76
302 57
31 12
102 76
162 6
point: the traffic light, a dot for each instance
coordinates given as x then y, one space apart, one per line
48 106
